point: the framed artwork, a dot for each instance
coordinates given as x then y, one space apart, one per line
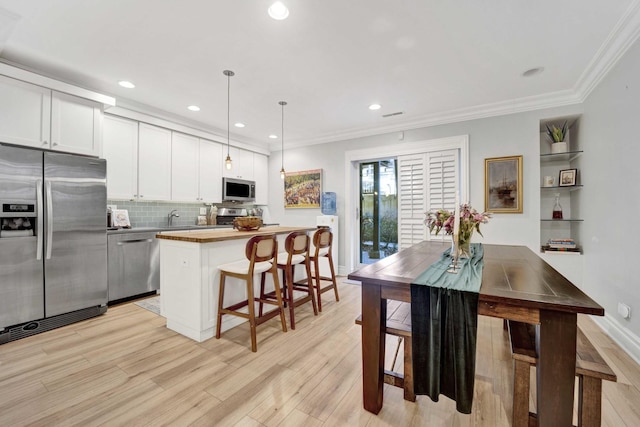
568 177
302 189
503 184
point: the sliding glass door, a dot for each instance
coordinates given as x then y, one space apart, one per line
378 210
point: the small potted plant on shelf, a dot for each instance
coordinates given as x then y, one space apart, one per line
557 136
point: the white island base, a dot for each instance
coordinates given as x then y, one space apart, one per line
190 279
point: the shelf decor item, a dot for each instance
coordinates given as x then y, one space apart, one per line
503 184
557 208
557 136
468 221
568 177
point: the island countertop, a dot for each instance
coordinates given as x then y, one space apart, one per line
219 235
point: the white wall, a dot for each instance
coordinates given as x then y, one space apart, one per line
610 202
514 134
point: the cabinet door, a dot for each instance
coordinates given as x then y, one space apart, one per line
120 149
75 124
210 171
261 176
154 162
242 163
184 167
25 110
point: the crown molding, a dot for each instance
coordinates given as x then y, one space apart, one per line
536 102
620 39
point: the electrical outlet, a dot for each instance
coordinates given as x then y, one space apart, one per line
203 211
624 310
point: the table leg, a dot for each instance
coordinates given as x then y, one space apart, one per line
374 315
556 367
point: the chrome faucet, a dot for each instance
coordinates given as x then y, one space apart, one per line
171 215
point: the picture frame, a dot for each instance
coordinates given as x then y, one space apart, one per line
503 185
568 177
302 189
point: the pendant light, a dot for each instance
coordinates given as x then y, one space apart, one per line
229 74
282 173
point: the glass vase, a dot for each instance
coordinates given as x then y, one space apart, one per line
464 248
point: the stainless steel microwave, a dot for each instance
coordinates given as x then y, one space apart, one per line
238 190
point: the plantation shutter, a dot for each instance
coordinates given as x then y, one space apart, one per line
426 181
442 182
411 199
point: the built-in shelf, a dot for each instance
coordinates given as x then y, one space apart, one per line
552 165
566 187
569 156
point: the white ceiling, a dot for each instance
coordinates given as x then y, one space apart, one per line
435 61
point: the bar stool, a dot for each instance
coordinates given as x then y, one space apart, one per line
296 253
261 254
322 242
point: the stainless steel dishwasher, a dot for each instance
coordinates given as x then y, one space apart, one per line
133 264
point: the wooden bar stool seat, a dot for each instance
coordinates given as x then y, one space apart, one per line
322 245
296 253
260 253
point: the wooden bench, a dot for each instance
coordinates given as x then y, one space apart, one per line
591 369
399 324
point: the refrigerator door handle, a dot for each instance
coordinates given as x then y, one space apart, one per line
49 218
40 212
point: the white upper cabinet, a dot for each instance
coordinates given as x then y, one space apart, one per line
25 110
120 139
184 167
39 117
261 176
76 124
210 162
242 163
154 162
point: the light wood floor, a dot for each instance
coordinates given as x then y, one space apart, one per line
125 368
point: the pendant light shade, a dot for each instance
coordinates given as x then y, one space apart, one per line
229 74
282 173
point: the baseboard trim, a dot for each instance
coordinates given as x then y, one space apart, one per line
627 340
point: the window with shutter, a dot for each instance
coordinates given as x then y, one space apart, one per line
426 181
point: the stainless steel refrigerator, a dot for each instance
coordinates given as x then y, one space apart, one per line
53 243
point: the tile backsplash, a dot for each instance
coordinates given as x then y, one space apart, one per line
155 214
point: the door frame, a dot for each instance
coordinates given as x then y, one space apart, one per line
355 157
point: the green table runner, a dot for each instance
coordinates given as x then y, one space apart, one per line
444 324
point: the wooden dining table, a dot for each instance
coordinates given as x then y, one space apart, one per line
516 285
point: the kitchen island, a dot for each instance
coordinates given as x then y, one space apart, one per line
190 279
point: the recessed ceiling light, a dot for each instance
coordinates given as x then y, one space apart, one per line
239 125
278 11
533 71
127 84
375 106
193 108
272 136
